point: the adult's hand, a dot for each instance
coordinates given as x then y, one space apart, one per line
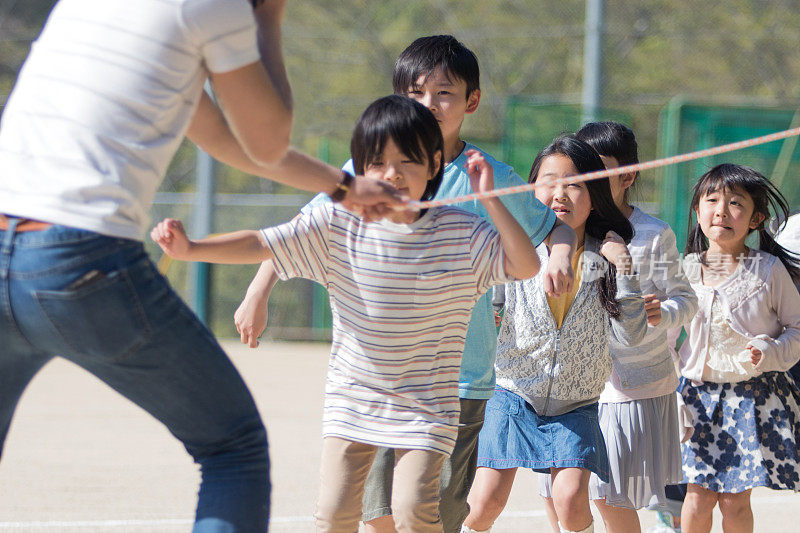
373 198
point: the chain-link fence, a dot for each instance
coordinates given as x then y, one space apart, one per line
340 56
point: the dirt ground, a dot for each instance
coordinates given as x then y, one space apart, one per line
80 458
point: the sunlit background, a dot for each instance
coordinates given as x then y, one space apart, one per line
683 74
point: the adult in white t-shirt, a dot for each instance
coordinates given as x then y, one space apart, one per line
102 102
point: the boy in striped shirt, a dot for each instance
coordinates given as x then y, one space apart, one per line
442 74
402 291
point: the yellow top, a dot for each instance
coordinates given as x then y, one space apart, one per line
560 305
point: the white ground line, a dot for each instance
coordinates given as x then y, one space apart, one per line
96 523
126 523
278 519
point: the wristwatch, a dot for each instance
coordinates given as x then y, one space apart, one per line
342 187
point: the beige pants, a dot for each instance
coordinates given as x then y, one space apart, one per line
415 487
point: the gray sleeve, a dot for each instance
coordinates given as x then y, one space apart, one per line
630 327
498 297
680 305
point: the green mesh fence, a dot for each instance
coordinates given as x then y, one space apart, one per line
531 124
685 127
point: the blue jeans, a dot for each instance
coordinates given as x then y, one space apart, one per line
100 302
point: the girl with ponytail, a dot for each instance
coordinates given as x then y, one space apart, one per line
765 197
744 338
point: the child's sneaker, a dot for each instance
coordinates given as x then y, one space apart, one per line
666 524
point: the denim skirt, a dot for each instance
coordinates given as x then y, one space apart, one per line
513 435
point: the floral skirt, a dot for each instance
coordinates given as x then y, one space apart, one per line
746 434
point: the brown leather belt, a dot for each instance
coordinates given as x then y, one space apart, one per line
23 225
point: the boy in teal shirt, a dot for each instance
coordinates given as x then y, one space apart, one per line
442 74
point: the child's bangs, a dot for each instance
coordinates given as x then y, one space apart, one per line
408 141
374 149
409 145
722 181
420 71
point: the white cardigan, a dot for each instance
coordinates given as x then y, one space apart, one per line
760 302
558 370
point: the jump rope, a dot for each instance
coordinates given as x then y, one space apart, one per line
597 174
165 261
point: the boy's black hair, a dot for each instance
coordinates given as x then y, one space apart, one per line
612 139
605 216
411 126
764 194
426 54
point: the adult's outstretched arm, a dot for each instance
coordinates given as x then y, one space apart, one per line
256 99
211 132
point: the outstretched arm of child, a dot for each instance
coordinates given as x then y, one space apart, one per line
240 247
521 260
559 277
679 302
252 314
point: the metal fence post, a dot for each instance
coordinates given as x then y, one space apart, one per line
592 61
200 273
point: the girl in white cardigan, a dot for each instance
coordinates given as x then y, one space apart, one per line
744 338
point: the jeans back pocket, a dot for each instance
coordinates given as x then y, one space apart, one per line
102 317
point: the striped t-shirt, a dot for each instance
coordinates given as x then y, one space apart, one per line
401 296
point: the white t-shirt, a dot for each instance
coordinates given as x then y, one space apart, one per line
103 102
789 235
401 296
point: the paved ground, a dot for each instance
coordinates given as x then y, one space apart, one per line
80 458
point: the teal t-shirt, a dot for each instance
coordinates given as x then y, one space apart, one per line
476 380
